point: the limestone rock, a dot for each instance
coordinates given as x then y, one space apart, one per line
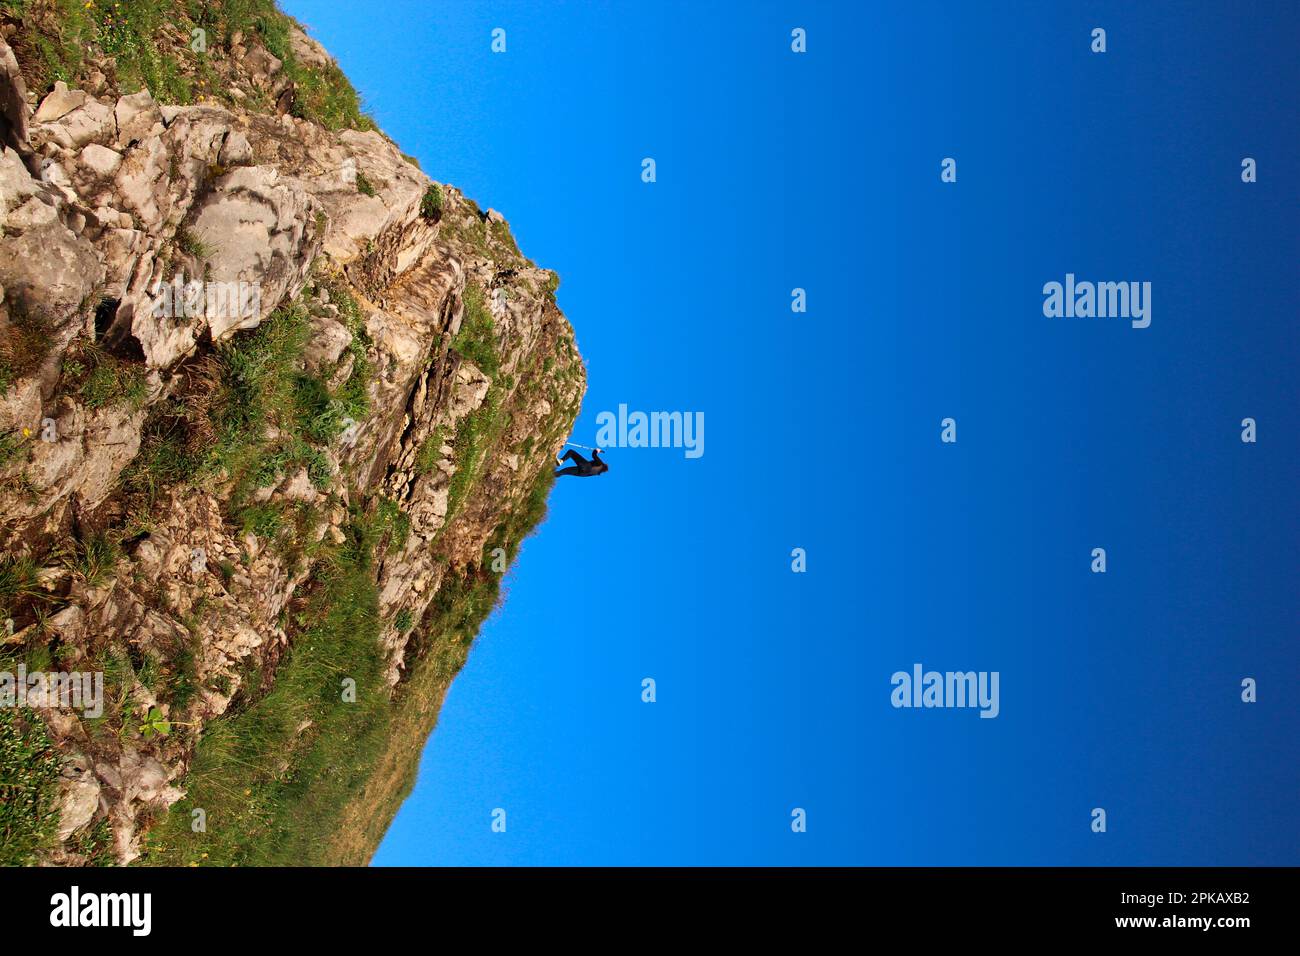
59 103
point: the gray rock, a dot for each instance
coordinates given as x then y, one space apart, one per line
235 151
59 103
100 160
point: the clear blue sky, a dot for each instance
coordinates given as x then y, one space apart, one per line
822 430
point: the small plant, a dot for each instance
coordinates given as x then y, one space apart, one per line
23 346
403 621
364 185
102 380
431 204
155 724
192 245
264 520
391 518
12 447
94 558
429 453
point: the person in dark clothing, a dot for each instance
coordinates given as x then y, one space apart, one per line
581 467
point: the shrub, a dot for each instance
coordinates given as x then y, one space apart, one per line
431 203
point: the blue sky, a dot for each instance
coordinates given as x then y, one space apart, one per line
821 171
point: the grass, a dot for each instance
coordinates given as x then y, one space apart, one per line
252 415
325 96
125 33
192 245
275 776
393 521
113 382
476 339
29 787
172 451
13 448
435 655
474 436
23 346
95 844
65 39
429 453
261 385
19 585
364 186
94 558
300 775
257 374
266 520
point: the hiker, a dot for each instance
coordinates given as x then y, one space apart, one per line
582 468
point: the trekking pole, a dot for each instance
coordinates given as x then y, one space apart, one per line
588 447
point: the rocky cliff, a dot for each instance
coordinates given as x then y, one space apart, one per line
276 412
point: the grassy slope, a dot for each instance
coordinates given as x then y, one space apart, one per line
300 775
151 44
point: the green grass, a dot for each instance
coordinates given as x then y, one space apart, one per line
263 386
95 843
110 382
391 519
29 787
436 652
326 97
19 585
192 245
364 186
258 374
266 520
61 39
13 448
474 436
126 32
170 454
94 558
268 787
23 347
429 453
251 417
476 339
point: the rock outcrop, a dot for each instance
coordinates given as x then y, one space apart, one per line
237 349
